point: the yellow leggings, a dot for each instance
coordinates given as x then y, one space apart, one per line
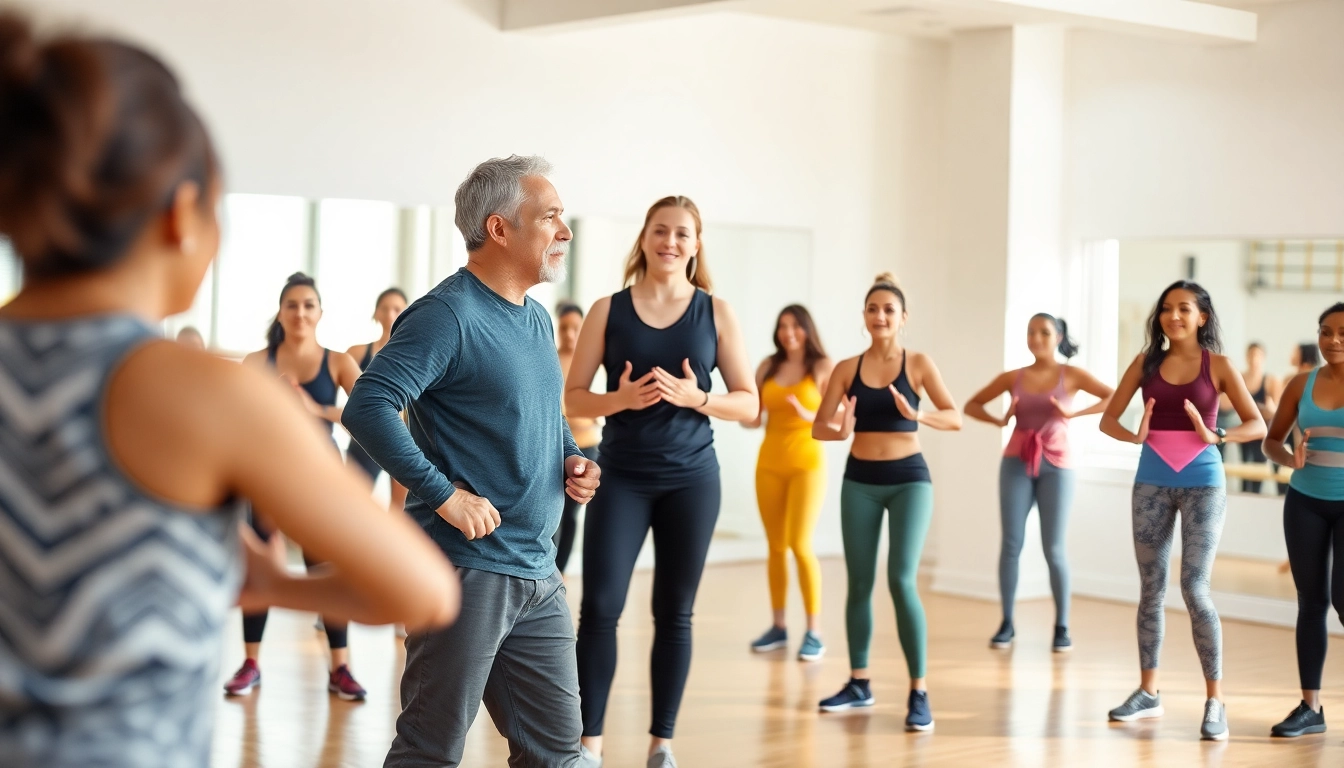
790 504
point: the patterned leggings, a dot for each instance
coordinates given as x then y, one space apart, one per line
1202 512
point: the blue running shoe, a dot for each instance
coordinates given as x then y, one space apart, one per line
812 648
918 717
856 693
773 639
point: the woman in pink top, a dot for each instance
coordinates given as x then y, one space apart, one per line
1036 467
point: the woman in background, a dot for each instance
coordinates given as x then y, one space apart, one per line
1037 463
386 309
587 435
791 471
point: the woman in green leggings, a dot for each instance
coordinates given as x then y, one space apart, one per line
886 473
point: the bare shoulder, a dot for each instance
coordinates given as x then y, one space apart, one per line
823 367
921 361
258 358
722 309
357 351
164 375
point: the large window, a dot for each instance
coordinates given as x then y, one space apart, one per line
357 244
266 239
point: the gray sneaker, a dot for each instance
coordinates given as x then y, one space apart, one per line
1215 721
1139 706
662 758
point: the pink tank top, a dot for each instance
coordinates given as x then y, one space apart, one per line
1039 430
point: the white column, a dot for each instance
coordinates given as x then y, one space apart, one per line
1005 174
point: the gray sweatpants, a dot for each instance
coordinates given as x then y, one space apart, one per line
511 647
1202 511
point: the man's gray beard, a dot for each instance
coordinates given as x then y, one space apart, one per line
554 274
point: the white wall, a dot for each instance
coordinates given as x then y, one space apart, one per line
761 121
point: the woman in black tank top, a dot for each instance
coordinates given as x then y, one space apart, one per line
886 476
315 373
388 307
659 340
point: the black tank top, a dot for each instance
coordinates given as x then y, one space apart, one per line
367 358
875 409
662 443
322 388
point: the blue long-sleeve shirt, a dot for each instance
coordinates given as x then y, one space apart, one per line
482 383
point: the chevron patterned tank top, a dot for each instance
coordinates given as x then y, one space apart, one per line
112 602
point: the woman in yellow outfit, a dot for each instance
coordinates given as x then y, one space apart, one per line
791 471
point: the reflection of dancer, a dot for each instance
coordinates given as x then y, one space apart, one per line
386 309
487 460
315 373
1313 511
587 435
886 474
1180 469
791 471
1036 464
1260 385
124 454
658 340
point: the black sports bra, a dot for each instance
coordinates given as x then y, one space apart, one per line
875 409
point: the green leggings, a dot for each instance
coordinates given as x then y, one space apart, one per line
861 509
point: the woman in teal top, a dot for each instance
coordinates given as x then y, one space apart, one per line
1313 510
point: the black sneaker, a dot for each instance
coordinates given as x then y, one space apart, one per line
1004 637
1062 643
1300 722
856 693
919 716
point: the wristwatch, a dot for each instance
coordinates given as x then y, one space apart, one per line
1222 435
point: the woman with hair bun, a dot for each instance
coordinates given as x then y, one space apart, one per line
886 473
126 454
1036 468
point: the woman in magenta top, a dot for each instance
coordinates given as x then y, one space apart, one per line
1036 467
1180 470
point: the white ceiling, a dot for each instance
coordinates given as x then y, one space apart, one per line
1214 20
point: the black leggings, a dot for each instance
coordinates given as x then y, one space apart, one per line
569 523
1251 453
1312 528
254 624
619 517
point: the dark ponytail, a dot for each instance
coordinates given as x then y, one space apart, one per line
1067 346
95 139
275 335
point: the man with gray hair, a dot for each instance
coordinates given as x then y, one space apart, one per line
488 459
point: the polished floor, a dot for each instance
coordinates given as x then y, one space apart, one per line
1025 707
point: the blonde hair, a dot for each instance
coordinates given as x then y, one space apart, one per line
886 281
696 271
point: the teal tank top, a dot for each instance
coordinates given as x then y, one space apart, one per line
1323 475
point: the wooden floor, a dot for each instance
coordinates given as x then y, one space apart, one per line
1026 707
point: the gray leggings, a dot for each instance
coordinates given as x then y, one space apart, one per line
1052 493
1202 512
